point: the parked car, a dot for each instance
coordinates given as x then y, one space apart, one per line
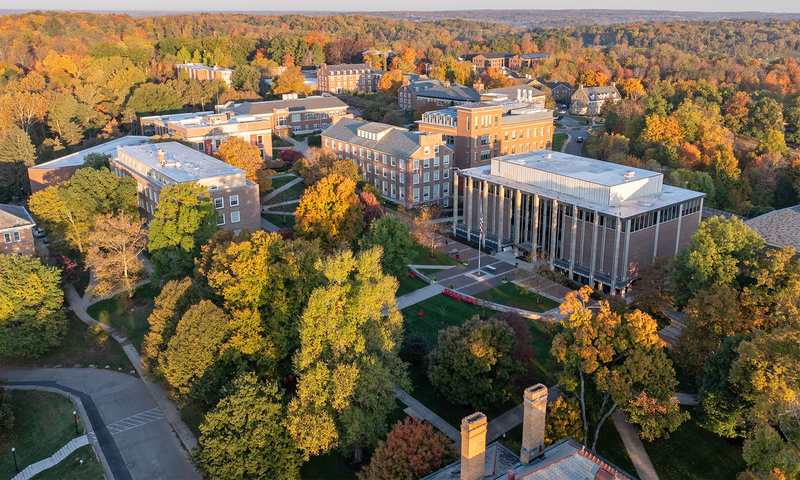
579 140
38 232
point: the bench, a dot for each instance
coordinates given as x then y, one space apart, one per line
490 268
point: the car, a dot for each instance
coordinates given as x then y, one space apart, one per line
38 232
579 140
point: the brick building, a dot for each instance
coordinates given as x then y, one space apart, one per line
411 95
561 91
590 100
59 170
597 222
483 61
201 72
207 132
409 168
16 231
299 115
518 62
480 131
155 166
356 77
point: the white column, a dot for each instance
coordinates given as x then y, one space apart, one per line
517 204
655 243
500 204
573 240
468 195
485 211
594 248
535 232
627 249
553 233
455 202
614 268
678 235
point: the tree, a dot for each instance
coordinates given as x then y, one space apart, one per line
472 364
494 78
242 438
347 363
723 407
242 154
394 235
390 83
6 408
196 345
114 248
183 221
412 450
31 318
424 228
174 300
246 78
16 155
330 212
372 207
652 293
318 164
96 160
563 420
623 359
152 99
290 81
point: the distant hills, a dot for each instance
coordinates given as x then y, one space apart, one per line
524 18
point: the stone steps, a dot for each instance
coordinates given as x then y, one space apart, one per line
31 470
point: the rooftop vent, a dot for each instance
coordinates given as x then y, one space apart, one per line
548 156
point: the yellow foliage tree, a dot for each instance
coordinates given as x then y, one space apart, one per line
242 154
290 81
390 83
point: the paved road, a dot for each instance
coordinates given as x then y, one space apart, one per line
136 440
575 130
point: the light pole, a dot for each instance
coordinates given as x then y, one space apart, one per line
14 452
75 417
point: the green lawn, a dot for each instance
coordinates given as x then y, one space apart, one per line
74 350
438 313
83 281
128 315
408 285
515 296
292 193
193 414
279 142
431 271
611 447
43 424
278 182
277 219
421 255
692 452
558 141
70 468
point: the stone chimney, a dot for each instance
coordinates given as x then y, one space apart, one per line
478 86
446 84
533 421
161 157
473 446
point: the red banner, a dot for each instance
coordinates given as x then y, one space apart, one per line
209 149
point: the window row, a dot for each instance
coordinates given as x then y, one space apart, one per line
12 237
233 201
235 218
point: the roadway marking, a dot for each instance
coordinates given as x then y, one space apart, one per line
143 418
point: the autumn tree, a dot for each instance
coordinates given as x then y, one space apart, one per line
372 207
472 364
152 99
31 318
493 78
16 155
183 221
652 293
290 81
242 154
623 360
424 228
412 450
347 363
319 163
114 248
563 420
330 212
243 438
394 235
390 83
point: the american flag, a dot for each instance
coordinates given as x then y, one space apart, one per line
480 224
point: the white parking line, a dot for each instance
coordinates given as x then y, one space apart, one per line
143 418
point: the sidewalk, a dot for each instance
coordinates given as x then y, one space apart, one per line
31 470
422 412
272 194
417 296
635 447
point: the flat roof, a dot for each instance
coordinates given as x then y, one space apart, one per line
190 164
109 148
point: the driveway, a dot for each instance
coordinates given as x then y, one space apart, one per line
575 130
136 440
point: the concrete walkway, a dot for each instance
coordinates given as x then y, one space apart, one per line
671 332
270 227
273 194
635 447
417 296
420 411
52 461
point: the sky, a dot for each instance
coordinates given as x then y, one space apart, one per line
780 6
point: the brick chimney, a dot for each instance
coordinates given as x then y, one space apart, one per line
160 157
533 421
473 446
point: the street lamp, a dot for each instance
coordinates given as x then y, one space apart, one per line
14 452
75 416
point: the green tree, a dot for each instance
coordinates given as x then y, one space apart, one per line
242 438
16 155
96 160
791 115
563 420
330 212
246 78
196 344
624 360
772 141
347 363
394 235
152 99
768 455
183 221
473 364
723 408
31 318
412 450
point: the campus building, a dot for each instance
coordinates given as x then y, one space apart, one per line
409 168
297 115
563 460
207 132
16 231
496 125
155 166
595 221
356 77
414 93
590 100
201 72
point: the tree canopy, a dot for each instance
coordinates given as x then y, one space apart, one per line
330 211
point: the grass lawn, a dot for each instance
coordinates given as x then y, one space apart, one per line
431 271
421 255
83 281
558 141
516 296
279 142
611 447
128 315
193 414
439 312
408 285
70 468
277 219
292 193
278 182
74 350
692 452
43 424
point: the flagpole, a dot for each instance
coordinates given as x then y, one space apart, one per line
480 241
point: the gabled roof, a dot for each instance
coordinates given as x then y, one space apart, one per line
13 216
493 55
397 141
299 104
780 228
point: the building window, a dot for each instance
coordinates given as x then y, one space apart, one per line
235 217
7 237
384 159
369 154
416 194
436 191
326 142
234 200
435 175
402 164
446 160
445 173
416 179
426 177
221 220
296 118
426 163
219 203
384 173
486 155
446 189
394 175
402 179
435 161
484 140
392 161
426 193
416 164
